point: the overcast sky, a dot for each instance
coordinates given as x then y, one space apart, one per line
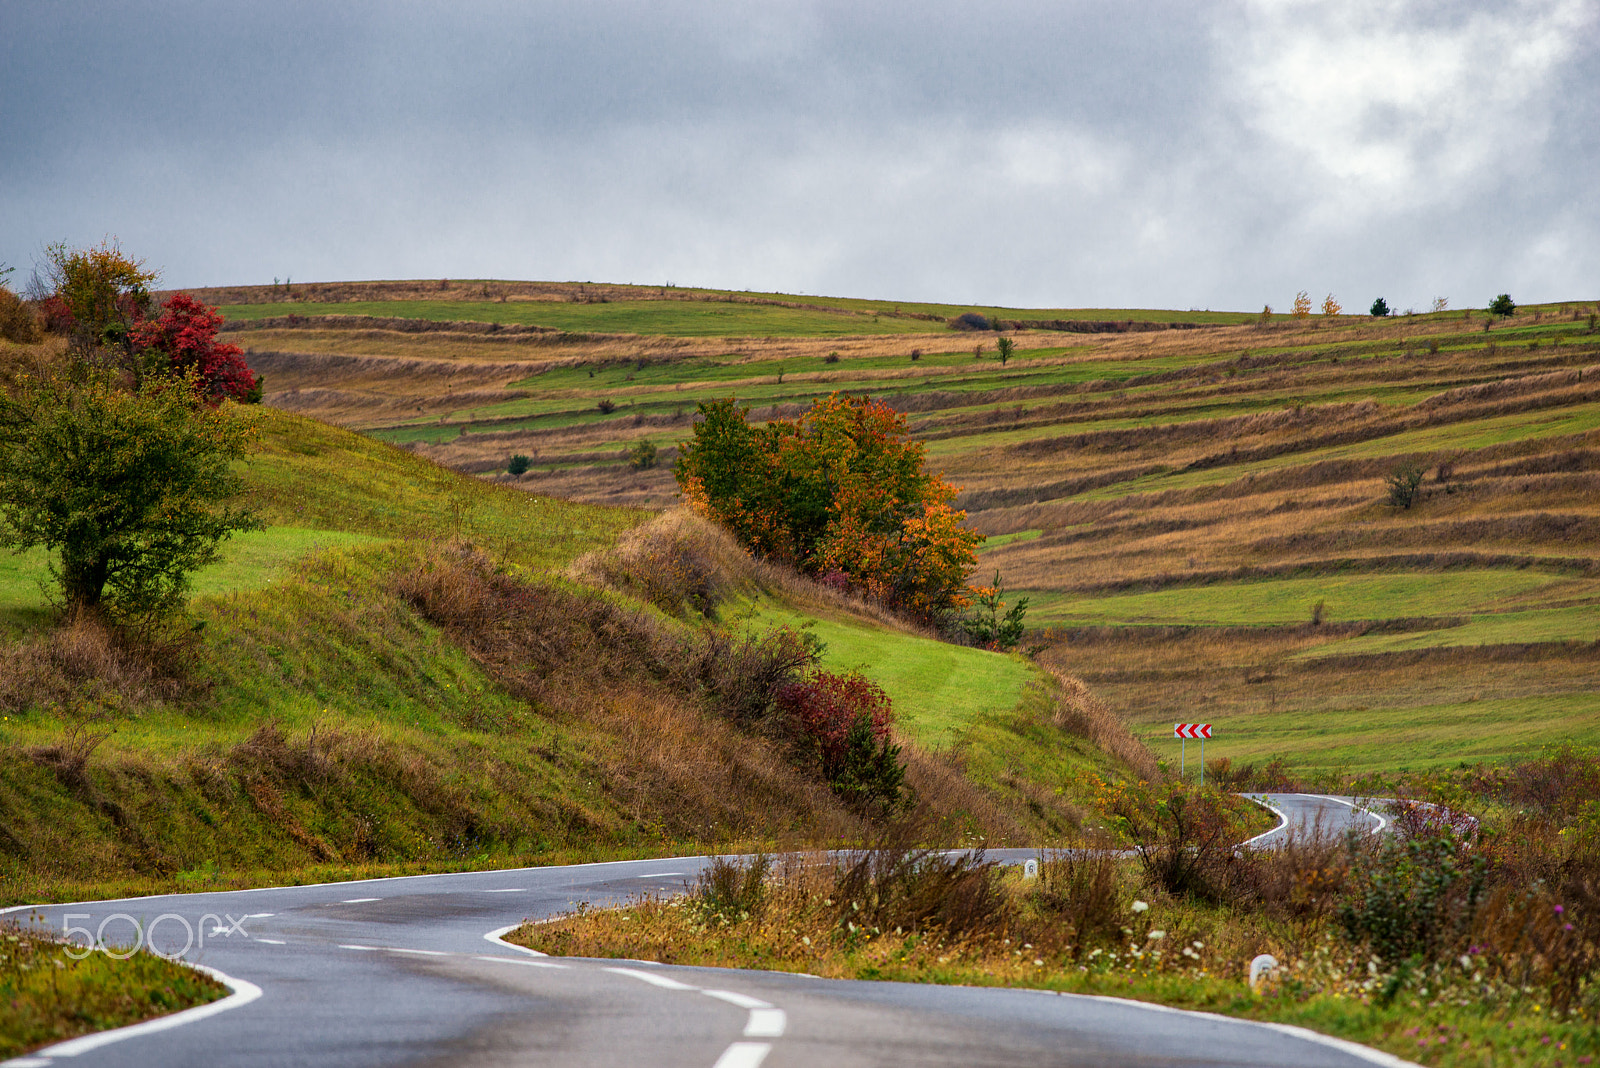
1176 155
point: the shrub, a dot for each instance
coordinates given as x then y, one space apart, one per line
18 321
1503 306
518 464
1183 838
183 341
731 889
101 294
832 357
970 321
898 884
1331 306
840 724
1079 888
746 677
607 406
1302 305
1413 898
642 455
1380 308
916 354
1405 485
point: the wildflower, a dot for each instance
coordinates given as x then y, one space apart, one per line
1140 906
1156 936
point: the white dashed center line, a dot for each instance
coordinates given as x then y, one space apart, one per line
360 900
744 1055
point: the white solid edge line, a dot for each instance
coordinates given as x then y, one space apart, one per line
244 993
497 936
1355 1049
1382 823
1283 821
744 1055
652 978
356 882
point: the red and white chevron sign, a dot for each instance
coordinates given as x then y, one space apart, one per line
1191 730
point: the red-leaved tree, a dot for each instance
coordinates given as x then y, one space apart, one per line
186 334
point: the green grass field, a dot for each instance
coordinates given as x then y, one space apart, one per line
670 318
1343 598
249 560
940 691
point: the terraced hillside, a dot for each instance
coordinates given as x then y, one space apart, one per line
1195 503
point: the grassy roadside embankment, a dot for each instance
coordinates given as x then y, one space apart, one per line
427 688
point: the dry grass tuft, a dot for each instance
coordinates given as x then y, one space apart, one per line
1079 712
87 664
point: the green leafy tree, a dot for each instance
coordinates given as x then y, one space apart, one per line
518 464
1004 347
129 488
1380 308
1503 306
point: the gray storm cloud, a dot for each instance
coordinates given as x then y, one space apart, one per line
1173 155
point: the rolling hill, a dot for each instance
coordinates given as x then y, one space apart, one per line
1195 503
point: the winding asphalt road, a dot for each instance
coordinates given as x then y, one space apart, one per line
410 971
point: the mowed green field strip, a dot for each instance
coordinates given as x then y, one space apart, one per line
1575 623
1461 436
938 689
1391 738
250 560
665 318
1287 601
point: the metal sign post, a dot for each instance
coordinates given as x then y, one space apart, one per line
1183 732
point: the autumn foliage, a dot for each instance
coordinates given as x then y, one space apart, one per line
841 724
186 335
100 297
838 492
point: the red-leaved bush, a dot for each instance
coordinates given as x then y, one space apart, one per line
822 707
186 332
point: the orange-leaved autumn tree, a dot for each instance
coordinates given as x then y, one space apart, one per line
841 490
